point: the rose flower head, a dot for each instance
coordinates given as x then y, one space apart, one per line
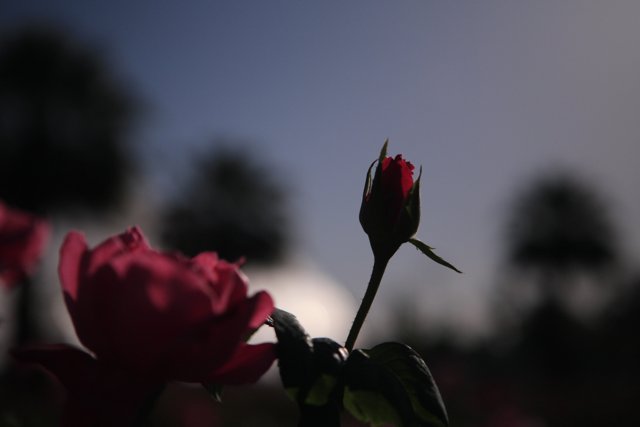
23 238
390 209
150 317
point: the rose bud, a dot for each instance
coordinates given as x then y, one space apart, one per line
23 238
150 317
390 209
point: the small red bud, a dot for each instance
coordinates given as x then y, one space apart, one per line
390 210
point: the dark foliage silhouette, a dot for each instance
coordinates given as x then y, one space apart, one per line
232 205
63 123
63 118
545 365
558 224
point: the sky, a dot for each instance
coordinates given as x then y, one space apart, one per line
483 95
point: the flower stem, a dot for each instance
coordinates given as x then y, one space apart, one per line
379 265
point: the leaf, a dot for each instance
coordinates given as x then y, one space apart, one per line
294 350
416 379
373 395
391 384
309 368
371 408
428 251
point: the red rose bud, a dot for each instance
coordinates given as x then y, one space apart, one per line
23 238
150 317
390 210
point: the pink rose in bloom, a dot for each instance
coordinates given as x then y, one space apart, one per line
150 317
390 210
23 238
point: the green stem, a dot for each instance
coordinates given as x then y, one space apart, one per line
379 265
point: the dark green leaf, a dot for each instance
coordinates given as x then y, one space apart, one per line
310 369
428 251
408 367
294 350
329 358
371 408
373 395
391 384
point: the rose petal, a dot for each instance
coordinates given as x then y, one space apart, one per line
201 352
206 262
396 183
98 395
406 175
263 307
131 240
143 303
246 366
73 256
72 251
225 279
233 285
77 266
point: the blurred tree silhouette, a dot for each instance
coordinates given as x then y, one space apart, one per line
559 230
559 227
545 365
62 123
231 205
63 119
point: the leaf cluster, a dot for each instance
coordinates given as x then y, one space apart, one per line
389 384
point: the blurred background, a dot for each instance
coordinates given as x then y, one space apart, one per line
247 127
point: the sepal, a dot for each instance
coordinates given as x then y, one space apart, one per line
428 251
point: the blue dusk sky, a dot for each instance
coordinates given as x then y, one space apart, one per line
483 94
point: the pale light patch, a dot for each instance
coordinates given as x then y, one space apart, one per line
322 305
